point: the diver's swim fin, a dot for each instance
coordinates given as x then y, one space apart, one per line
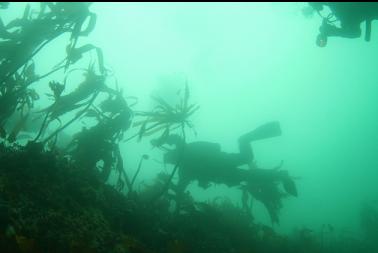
268 130
290 187
288 183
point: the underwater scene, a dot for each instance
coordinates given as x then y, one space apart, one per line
248 127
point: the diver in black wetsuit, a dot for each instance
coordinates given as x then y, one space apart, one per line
350 15
206 163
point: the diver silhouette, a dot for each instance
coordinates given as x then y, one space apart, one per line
350 15
205 162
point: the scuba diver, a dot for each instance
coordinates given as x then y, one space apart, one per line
350 15
206 163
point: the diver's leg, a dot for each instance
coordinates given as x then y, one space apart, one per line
347 30
368 30
268 130
351 30
245 149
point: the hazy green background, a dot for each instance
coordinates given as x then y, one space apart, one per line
248 63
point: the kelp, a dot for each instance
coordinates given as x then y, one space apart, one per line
165 117
101 142
22 38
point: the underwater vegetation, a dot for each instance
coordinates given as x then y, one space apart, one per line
58 198
50 205
369 223
166 118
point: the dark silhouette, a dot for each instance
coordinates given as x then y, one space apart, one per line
206 163
350 15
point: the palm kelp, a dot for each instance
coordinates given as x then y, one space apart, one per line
165 117
23 38
100 142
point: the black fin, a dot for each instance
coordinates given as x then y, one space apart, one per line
290 186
